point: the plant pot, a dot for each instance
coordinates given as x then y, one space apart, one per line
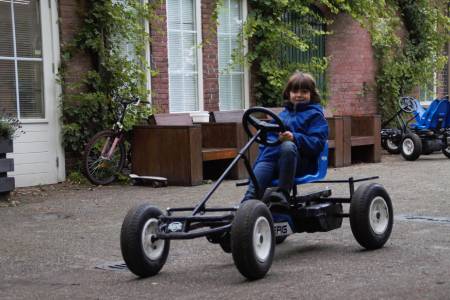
6 146
7 184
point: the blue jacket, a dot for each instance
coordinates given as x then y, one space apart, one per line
310 129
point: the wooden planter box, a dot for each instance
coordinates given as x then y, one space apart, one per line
7 184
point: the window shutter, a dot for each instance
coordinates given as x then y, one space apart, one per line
182 53
231 77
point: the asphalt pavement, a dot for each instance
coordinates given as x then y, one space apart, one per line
62 242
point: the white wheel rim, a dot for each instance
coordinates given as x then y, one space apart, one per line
391 145
262 239
408 146
153 249
379 215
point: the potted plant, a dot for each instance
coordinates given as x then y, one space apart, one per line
9 129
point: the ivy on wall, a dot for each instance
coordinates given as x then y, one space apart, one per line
408 37
113 35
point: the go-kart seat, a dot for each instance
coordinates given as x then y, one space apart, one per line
322 165
420 110
435 116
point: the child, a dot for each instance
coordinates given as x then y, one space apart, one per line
305 136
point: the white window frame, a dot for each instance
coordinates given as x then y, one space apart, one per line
16 59
198 27
245 67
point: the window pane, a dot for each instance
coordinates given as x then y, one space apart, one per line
231 77
175 57
28 29
173 14
6 32
30 89
190 51
187 15
7 88
190 92
182 52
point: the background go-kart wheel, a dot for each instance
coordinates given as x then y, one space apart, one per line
371 215
280 239
253 239
143 253
446 151
411 146
392 147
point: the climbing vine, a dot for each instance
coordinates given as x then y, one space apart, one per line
113 35
408 37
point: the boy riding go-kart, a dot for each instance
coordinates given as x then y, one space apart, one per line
251 229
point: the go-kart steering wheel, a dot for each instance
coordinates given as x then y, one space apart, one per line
408 104
262 125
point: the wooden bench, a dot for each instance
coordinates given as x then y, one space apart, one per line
232 133
175 148
362 139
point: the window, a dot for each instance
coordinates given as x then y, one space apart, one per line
231 77
183 55
21 86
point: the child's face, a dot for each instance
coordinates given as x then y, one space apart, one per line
300 96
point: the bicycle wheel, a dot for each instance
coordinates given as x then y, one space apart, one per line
99 168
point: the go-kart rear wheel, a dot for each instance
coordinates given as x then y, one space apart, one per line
253 239
371 215
143 253
392 147
225 243
411 146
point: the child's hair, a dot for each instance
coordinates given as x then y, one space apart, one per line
301 81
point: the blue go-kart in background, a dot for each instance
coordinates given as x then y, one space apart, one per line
426 131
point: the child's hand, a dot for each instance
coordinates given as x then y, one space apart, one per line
286 136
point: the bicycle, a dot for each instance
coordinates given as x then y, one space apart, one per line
105 153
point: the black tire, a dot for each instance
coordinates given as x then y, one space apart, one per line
101 171
446 151
141 262
280 239
411 146
371 215
392 147
253 260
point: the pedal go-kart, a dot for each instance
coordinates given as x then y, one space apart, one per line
429 133
250 230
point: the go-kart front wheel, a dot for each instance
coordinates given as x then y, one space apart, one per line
143 253
371 215
253 239
411 146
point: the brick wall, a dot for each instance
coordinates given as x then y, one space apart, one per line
69 24
160 83
352 69
210 57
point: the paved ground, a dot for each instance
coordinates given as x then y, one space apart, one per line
54 240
